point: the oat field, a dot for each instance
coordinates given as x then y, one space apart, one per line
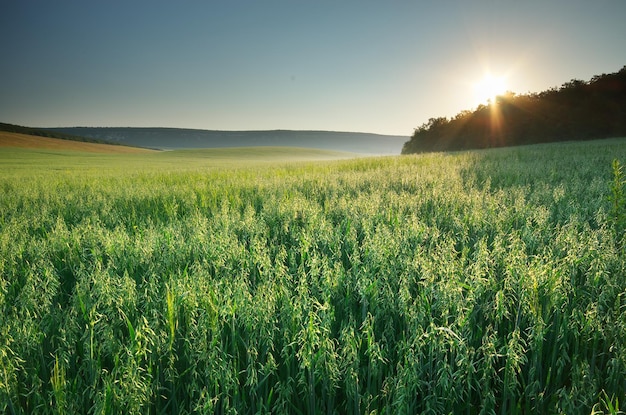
484 282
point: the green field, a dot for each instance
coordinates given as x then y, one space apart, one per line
44 160
488 282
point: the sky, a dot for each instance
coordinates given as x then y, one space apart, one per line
369 66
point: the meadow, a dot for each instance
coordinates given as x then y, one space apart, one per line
479 282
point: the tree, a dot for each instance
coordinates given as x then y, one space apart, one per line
578 110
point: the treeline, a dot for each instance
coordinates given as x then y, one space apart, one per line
11 128
578 110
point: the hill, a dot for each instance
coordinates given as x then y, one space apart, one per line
177 138
12 128
578 110
19 140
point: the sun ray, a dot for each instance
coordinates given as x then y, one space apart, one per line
489 87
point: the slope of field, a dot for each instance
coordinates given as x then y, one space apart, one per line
19 129
178 138
478 282
17 140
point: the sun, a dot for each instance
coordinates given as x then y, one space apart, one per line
489 87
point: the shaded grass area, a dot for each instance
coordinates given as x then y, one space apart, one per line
478 282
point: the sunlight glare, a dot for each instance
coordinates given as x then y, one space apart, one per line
488 88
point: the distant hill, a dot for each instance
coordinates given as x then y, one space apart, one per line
578 110
30 141
39 132
176 138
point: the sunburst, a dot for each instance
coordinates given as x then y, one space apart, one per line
488 88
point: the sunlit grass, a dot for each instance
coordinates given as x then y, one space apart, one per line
179 282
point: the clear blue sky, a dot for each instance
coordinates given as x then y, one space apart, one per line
372 66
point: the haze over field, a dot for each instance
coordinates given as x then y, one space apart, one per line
245 65
176 138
